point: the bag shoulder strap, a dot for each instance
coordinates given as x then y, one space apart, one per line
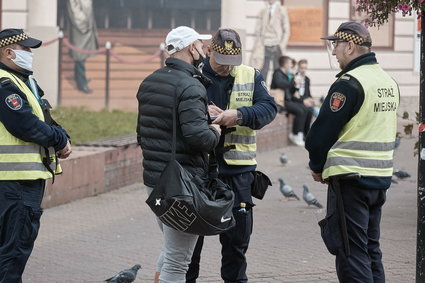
212 165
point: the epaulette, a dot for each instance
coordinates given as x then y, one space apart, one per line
345 77
4 82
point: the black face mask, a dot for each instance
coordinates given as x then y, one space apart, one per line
198 63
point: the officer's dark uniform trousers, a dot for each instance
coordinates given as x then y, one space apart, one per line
234 241
19 201
363 216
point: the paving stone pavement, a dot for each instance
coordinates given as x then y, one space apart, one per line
91 239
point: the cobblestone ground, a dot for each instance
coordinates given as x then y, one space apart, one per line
91 239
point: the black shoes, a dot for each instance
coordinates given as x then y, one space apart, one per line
86 90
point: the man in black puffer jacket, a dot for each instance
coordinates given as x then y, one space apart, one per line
179 79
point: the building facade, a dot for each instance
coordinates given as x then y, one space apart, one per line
396 43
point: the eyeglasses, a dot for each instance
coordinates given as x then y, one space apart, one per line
335 43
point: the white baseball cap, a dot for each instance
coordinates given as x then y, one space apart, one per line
182 37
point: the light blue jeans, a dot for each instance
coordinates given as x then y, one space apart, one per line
174 259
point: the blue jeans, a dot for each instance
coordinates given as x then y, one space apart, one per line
20 214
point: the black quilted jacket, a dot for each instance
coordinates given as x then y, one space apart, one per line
195 138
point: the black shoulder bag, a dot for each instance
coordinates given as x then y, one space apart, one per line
189 204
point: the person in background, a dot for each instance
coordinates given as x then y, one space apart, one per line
302 116
241 101
351 147
30 144
302 82
272 34
179 80
82 33
293 69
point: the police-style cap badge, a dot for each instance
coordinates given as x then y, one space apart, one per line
352 31
226 47
10 36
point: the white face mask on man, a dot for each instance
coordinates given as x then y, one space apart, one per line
23 59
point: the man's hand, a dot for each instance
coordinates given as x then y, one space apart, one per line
227 118
214 110
66 151
318 177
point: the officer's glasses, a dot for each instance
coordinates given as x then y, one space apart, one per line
335 43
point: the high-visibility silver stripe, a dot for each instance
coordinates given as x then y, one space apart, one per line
240 155
240 139
372 146
27 148
360 162
243 87
23 166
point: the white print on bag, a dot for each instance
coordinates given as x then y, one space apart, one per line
225 219
178 217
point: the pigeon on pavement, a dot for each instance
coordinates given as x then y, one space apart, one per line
125 276
401 174
286 190
283 158
309 198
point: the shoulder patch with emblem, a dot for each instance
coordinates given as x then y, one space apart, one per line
14 101
263 83
337 101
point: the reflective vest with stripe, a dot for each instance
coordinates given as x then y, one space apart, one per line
366 143
243 139
20 160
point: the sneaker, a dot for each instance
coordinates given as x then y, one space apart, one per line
296 139
300 138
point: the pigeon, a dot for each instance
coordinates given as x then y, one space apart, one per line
401 174
286 190
283 158
125 276
309 198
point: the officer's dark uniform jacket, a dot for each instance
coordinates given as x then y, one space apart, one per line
154 129
20 121
326 131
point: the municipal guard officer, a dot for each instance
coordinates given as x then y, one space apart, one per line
30 143
241 101
351 148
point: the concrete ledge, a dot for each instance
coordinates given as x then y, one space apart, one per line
274 135
93 170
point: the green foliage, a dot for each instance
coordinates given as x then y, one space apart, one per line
379 10
84 125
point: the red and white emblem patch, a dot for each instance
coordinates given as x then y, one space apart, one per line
337 101
14 101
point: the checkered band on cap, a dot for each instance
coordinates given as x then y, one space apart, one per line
349 37
13 39
227 50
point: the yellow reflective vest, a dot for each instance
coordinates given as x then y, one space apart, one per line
366 143
243 140
20 160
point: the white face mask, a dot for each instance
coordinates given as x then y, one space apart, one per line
23 59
